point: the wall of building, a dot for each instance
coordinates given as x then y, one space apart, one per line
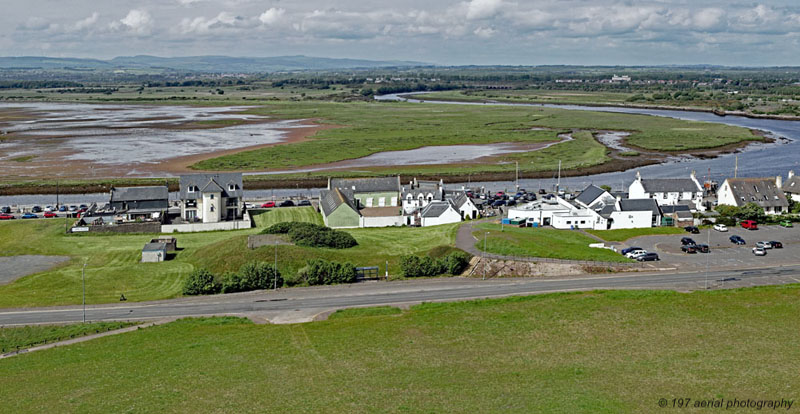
343 217
211 208
631 219
146 227
387 221
373 199
569 221
197 227
153 256
449 216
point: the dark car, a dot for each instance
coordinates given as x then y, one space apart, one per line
776 244
648 257
542 191
530 197
29 216
36 209
304 203
498 203
689 248
702 248
62 208
5 210
630 249
511 202
737 240
692 229
286 203
687 240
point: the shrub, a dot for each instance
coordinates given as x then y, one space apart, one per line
456 262
252 276
323 272
415 266
312 235
201 282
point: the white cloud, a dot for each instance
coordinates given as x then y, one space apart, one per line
222 22
482 9
88 22
136 21
484 32
271 16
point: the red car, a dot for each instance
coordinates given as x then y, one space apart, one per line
49 214
268 204
5 216
749 224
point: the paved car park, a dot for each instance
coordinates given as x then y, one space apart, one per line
724 254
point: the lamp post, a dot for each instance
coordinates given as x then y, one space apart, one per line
83 277
484 254
708 243
275 269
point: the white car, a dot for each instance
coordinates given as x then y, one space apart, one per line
636 253
764 245
720 227
759 251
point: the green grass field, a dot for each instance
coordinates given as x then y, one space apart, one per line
541 242
595 352
283 214
22 337
625 234
113 266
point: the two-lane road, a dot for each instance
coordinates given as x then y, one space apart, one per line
303 304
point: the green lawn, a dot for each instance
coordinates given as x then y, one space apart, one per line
541 242
625 234
27 336
113 266
595 352
283 214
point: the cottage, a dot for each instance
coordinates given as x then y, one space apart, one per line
679 216
370 192
792 187
419 193
595 198
154 252
669 191
338 210
766 192
439 212
131 203
211 198
649 214
465 206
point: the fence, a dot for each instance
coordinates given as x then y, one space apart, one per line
561 261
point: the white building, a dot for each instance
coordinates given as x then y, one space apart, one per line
792 187
465 206
439 212
417 194
211 198
669 191
562 214
766 192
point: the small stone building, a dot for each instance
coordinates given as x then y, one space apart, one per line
154 252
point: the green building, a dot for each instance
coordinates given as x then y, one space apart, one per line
338 210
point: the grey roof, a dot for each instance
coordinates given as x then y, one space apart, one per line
139 193
762 191
460 200
675 209
216 182
606 211
670 185
684 215
792 185
154 247
435 209
367 185
590 194
330 200
424 191
643 204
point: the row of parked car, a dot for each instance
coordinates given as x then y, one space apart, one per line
285 203
49 212
639 254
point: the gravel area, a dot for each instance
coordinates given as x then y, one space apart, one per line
15 267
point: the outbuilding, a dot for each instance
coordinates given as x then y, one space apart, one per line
154 252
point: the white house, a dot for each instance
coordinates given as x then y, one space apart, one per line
562 214
465 206
766 192
669 191
595 198
211 198
417 194
439 212
792 186
634 214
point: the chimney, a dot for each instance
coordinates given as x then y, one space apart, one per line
693 174
791 174
638 176
779 181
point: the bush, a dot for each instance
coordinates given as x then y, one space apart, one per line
323 272
456 262
415 266
201 282
312 235
252 276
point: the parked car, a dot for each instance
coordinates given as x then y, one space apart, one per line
268 204
511 202
4 216
62 208
749 225
48 208
498 203
786 223
636 253
720 227
73 208
776 244
758 251
286 203
630 249
648 257
29 216
36 209
49 214
542 191
687 240
764 245
736 239
702 248
530 197
689 248
83 206
304 203
5 210
692 229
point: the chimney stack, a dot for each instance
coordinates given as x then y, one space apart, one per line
791 174
779 181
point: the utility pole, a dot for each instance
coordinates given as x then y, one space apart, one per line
275 269
558 183
736 168
83 277
484 254
707 254
517 176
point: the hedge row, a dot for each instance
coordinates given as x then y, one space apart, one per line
323 272
416 266
251 276
313 235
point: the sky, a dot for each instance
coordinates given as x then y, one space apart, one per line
481 32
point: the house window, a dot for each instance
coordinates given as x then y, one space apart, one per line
231 187
583 221
191 189
382 201
211 196
778 209
569 221
211 208
664 196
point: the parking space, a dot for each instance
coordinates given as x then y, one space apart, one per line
723 253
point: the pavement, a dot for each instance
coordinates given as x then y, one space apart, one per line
306 304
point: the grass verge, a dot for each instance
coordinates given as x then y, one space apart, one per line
283 214
625 234
22 337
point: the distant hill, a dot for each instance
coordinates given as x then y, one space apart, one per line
207 64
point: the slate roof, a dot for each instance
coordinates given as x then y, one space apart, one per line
139 193
762 191
792 185
367 185
606 211
460 200
675 209
590 194
643 204
154 247
218 182
435 209
330 200
670 185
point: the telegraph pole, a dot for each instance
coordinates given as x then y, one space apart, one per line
83 277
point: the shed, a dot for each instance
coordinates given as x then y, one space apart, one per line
171 242
154 252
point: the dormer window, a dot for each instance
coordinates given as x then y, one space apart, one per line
231 187
192 188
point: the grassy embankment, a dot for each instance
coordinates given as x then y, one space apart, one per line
541 242
279 215
23 337
625 234
114 268
594 352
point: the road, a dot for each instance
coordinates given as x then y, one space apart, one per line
306 304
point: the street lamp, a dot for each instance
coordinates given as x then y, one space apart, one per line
708 243
275 269
484 254
83 277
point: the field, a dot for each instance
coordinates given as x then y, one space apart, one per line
595 352
113 266
625 234
27 336
541 242
283 214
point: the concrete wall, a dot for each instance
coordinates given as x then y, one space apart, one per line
153 256
449 216
196 227
631 219
382 221
146 227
